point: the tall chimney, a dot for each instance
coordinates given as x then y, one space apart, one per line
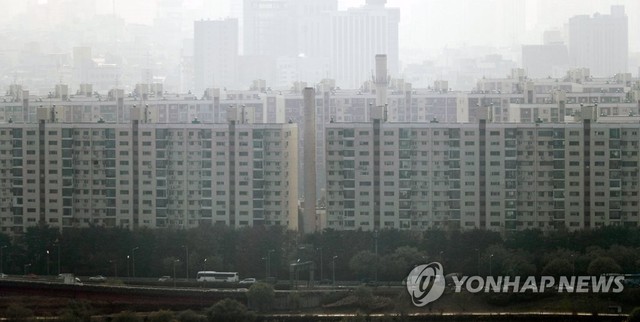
381 80
309 214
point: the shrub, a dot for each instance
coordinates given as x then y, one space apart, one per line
364 296
126 316
161 316
603 265
191 316
16 312
261 296
76 311
634 316
229 310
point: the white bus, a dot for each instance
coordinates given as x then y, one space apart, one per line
212 276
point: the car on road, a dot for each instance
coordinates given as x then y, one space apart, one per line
164 278
247 281
3 275
97 278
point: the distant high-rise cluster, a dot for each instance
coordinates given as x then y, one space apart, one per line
288 41
599 42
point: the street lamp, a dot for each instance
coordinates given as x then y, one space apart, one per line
128 274
133 261
478 261
115 267
47 262
333 268
269 262
187 260
1 259
321 269
174 271
490 264
573 265
58 245
375 237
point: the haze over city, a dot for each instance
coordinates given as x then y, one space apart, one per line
426 26
200 155
161 32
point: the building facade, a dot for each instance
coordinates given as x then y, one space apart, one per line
499 177
141 174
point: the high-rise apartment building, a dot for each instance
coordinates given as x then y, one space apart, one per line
142 174
357 36
600 42
215 54
492 176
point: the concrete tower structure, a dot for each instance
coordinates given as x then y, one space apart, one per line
309 216
381 80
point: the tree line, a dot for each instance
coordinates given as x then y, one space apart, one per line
386 255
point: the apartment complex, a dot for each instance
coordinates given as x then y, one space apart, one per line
515 98
617 95
501 177
142 174
513 102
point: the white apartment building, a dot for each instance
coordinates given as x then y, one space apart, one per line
141 174
500 177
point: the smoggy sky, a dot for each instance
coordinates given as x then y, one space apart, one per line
427 26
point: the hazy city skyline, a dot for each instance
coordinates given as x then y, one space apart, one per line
155 41
426 27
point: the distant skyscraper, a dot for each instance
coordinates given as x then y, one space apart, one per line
357 36
215 53
82 64
287 27
511 28
601 42
292 34
549 60
266 28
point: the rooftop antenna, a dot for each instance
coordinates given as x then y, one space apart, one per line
116 95
148 71
59 71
